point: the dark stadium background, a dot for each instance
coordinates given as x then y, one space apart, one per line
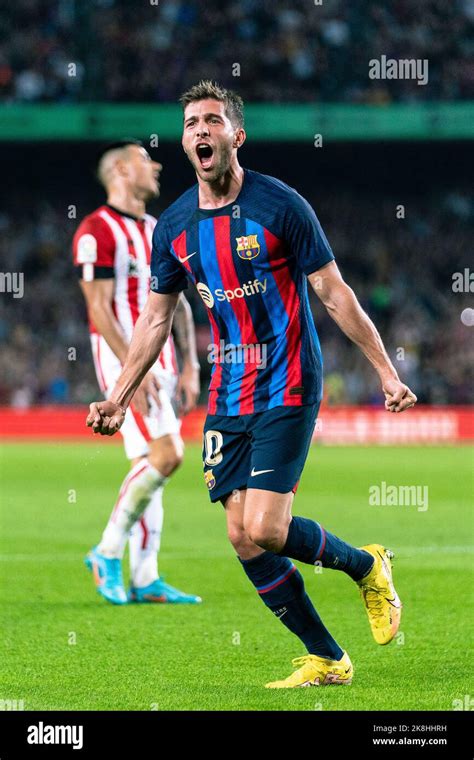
291 54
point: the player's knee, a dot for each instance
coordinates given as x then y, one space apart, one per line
172 464
240 540
266 533
167 461
237 536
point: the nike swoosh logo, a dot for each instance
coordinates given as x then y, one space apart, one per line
259 472
283 613
185 258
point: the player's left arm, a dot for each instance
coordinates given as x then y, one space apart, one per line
185 336
342 305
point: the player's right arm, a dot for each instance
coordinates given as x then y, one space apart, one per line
151 332
99 298
99 295
94 257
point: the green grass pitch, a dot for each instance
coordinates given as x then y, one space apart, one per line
64 648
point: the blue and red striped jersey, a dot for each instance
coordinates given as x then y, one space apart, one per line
249 261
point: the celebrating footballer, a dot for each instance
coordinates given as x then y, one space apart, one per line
251 245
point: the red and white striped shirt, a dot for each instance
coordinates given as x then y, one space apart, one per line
111 244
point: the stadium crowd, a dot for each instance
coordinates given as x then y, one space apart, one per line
400 269
290 50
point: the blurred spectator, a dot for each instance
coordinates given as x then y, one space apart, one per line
290 50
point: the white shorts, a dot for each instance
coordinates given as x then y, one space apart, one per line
137 430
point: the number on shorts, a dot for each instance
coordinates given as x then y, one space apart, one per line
213 441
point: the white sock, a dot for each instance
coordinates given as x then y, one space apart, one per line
135 495
144 542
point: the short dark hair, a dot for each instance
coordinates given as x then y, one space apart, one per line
233 103
115 146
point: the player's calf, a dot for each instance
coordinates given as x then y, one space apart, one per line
307 541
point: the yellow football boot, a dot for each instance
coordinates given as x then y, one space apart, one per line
316 671
381 601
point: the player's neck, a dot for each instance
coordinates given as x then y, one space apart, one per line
223 191
123 201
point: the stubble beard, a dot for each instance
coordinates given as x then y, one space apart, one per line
219 170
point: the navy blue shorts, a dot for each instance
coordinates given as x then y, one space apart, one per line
263 450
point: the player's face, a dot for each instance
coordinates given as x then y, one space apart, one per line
143 173
209 138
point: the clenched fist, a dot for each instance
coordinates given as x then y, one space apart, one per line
105 417
398 396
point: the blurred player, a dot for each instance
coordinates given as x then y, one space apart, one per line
250 244
112 249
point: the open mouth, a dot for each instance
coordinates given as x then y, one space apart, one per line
204 154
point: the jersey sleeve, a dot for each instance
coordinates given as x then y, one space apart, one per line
305 236
94 250
167 276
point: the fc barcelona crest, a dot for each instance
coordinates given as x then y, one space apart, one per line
248 247
210 479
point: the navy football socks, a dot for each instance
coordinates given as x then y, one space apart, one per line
281 588
308 542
